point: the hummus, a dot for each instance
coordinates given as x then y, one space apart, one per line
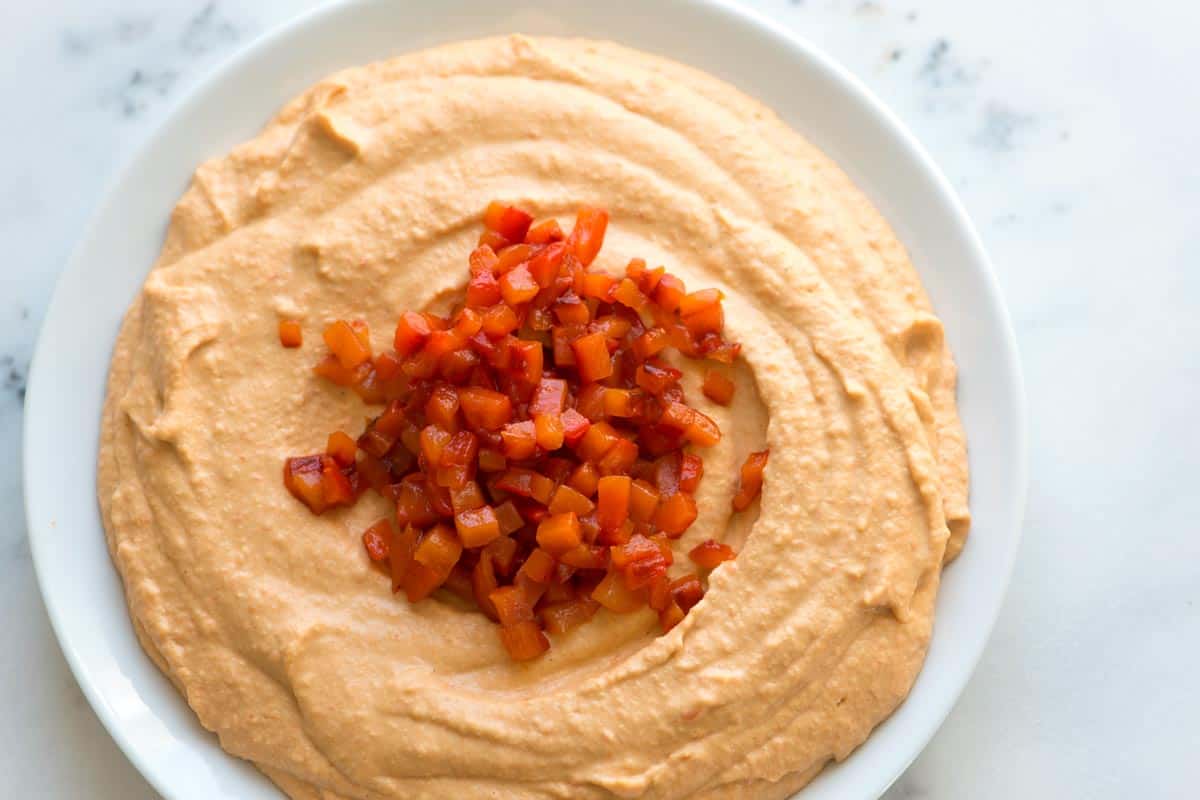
362 199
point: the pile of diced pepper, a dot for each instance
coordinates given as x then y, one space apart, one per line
535 444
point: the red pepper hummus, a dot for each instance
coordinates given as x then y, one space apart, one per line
358 201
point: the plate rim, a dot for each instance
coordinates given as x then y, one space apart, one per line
837 75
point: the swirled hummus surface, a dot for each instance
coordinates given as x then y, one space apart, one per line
359 200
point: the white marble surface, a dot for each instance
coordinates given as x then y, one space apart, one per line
1070 128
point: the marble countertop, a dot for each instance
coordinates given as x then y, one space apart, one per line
1070 130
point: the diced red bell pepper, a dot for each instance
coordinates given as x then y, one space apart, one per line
433 444
559 533
592 359
751 480
611 327
377 540
342 448
644 572
412 331
637 548
666 473
483 583
548 429
643 501
530 360
441 408
717 387
586 556
482 260
523 641
432 562
687 591
511 604
336 488
587 237
677 415
545 263
599 439
345 344
710 320
439 499
675 514
520 440
413 503
612 501
499 320
467 497
483 290
400 555
658 593
526 483
461 450
698 427
656 378
628 294
290 334
622 403
575 426
619 459
545 232
387 366
491 460
670 616
635 269
375 472
477 527
615 595
538 567
571 310
539 319
569 499
561 337
691 470
584 479
710 553
669 293
563 617
650 343
502 551
485 409
549 397
493 240
509 519
392 421
599 286
509 221
650 278
699 301
517 286
590 402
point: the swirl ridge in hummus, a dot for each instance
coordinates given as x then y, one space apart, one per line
361 199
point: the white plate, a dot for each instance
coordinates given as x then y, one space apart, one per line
142 711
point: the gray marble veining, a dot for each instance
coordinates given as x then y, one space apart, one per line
1070 131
